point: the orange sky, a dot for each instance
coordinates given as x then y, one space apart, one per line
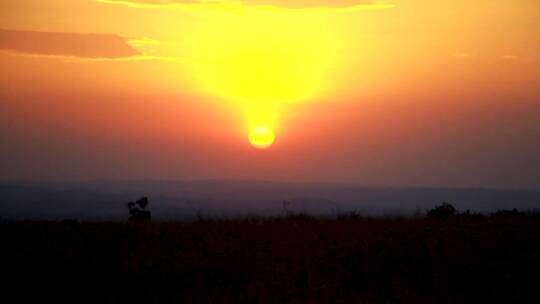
403 93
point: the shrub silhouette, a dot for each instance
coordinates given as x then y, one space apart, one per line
444 211
352 215
285 204
514 213
470 215
137 210
294 215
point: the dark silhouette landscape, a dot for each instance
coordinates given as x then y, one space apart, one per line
440 255
447 256
173 200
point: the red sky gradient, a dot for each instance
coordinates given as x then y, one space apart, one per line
399 93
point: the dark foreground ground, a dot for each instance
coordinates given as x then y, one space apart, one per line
293 260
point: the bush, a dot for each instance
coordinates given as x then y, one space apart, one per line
444 211
137 210
508 213
470 215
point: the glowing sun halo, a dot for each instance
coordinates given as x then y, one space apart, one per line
259 59
261 137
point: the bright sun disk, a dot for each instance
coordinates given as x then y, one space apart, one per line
261 137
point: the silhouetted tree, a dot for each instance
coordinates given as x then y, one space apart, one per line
445 210
137 210
508 213
285 204
291 215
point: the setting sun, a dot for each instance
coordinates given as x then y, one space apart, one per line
259 58
261 137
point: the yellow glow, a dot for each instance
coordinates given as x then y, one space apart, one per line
261 137
260 58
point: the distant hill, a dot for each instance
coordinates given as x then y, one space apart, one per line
184 199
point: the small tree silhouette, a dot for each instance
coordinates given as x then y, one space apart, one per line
137 210
445 210
285 204
514 213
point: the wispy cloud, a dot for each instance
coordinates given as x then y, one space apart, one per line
66 44
285 4
70 58
509 57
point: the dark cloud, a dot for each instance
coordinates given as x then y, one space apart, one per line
66 44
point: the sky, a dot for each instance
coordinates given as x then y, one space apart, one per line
375 93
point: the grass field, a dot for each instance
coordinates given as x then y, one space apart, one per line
274 260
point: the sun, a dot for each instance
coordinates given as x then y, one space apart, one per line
261 137
260 59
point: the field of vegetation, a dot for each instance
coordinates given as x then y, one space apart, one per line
296 259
